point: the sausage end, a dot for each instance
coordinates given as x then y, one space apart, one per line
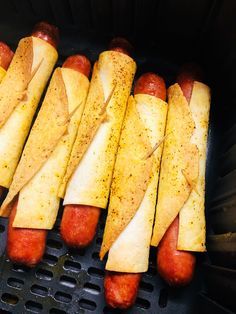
151 84
121 289
24 246
79 224
78 63
122 45
6 55
47 32
175 267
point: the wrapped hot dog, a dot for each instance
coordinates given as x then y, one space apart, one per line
182 178
134 186
89 172
20 92
46 153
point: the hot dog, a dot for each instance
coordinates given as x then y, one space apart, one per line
20 92
175 266
26 246
79 222
121 288
30 247
6 55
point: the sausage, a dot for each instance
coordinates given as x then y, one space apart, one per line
174 266
121 288
24 246
122 45
151 84
6 55
47 32
189 73
78 63
79 222
27 246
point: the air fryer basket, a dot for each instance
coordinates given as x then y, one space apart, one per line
165 34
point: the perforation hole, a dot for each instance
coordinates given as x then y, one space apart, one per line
146 286
75 253
163 298
50 259
44 274
63 297
108 310
95 256
92 288
54 244
87 304
20 268
96 272
2 228
56 311
39 290
145 304
33 306
9 298
73 266
68 281
15 283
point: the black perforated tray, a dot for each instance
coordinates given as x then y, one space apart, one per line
72 282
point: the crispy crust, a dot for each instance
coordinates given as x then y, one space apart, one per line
46 154
180 163
20 92
192 225
93 155
134 187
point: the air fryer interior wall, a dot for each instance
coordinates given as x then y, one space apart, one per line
165 34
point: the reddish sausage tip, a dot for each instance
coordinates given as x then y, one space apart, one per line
189 73
24 246
6 55
121 44
151 84
78 63
175 267
47 32
79 224
121 289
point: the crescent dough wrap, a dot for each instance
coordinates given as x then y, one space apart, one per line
92 159
2 73
182 167
192 225
20 92
45 157
134 186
